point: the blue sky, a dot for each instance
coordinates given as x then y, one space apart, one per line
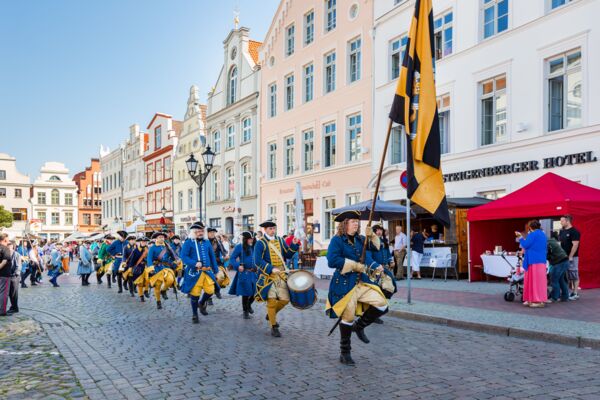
75 74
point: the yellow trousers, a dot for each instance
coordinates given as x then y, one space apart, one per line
362 294
273 307
204 283
162 281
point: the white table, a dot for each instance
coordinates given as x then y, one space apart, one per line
322 268
497 266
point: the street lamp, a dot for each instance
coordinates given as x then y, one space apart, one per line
198 175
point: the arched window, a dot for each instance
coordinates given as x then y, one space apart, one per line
246 179
215 186
230 182
55 197
232 87
54 178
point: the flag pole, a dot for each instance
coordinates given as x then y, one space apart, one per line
376 193
408 250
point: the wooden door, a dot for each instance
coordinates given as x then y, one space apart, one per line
461 239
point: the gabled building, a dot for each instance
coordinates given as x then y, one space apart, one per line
15 195
89 197
134 183
111 168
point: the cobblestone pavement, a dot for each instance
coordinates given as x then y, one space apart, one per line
117 347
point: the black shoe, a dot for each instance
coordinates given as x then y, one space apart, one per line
147 294
12 311
275 331
114 279
33 284
158 305
359 329
250 310
23 286
218 294
195 319
345 344
267 317
120 290
210 302
164 295
132 295
346 359
109 283
142 299
246 315
203 309
378 321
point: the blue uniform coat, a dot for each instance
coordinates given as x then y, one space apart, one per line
244 283
189 257
153 254
340 248
116 247
262 260
85 261
383 257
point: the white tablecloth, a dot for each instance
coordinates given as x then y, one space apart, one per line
322 267
497 266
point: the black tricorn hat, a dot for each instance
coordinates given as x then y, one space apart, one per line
157 234
131 237
142 239
123 234
377 227
197 225
268 223
347 215
247 235
212 229
109 237
175 237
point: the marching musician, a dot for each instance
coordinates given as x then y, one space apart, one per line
220 255
175 243
139 268
351 292
56 265
161 257
380 253
244 283
116 250
104 259
125 268
270 254
200 268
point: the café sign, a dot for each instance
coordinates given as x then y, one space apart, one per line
522 166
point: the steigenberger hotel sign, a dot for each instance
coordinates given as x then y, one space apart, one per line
522 166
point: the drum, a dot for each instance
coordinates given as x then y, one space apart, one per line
301 285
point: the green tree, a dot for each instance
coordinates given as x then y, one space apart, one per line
6 218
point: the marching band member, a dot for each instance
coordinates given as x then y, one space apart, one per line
175 243
160 256
200 269
220 254
380 253
116 250
351 291
139 268
86 266
244 283
270 254
125 268
104 260
56 265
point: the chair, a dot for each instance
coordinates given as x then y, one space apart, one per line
445 263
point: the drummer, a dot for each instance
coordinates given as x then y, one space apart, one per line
351 292
270 254
380 253
244 283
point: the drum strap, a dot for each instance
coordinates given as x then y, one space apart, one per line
278 254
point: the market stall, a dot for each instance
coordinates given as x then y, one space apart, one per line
548 197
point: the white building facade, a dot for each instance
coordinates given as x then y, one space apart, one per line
186 193
111 170
516 92
54 202
232 128
15 191
133 176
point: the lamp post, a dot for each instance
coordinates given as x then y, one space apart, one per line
198 175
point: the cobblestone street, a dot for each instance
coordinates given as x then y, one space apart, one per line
74 342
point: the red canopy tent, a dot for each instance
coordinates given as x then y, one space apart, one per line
551 195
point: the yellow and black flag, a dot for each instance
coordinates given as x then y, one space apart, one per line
415 108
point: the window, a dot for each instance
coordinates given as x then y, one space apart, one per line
158 171
289 40
215 186
248 222
493 110
87 219
272 163
69 218
157 137
55 197
557 3
309 80
442 36
352 198
354 137
230 136
495 17
190 199
151 204
246 179
398 145
246 130
443 105
2 175
55 218
41 215
330 15
54 178
158 199
272 212
217 142
232 86
167 167
97 219
167 200
150 173
214 223
272 100
41 198
492 194
289 155
19 214
289 217
564 90
180 201
329 144
328 222
354 60
397 49
69 199
329 72
289 92
18 193
309 27
230 181
308 145
2 192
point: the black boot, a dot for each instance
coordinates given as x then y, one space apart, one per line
203 303
158 305
250 301
164 295
245 307
195 319
210 302
120 283
275 331
367 319
217 292
108 281
147 294
345 347
142 299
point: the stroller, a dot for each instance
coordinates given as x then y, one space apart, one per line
515 280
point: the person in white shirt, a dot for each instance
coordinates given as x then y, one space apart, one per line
399 252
